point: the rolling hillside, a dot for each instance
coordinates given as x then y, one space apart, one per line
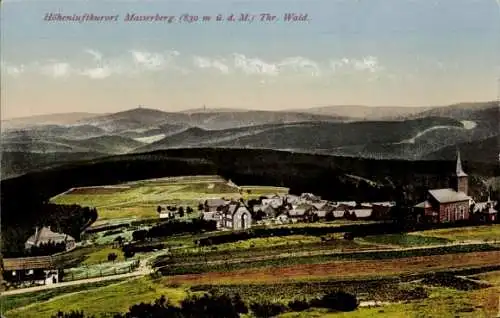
18 163
140 118
319 137
50 119
111 144
486 150
416 136
359 112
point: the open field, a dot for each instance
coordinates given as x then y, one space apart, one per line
139 200
485 232
250 192
343 269
442 303
114 298
118 297
10 302
405 240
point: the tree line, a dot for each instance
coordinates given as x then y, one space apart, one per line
213 305
18 227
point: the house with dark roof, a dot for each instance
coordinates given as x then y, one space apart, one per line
46 236
449 204
40 270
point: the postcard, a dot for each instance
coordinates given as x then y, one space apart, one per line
231 158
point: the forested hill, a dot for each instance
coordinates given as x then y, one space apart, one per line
331 177
334 178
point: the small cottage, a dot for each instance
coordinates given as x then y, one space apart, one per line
39 270
46 236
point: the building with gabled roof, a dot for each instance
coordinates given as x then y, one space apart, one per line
45 236
34 270
448 204
235 216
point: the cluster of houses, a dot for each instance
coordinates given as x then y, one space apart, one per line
441 206
288 208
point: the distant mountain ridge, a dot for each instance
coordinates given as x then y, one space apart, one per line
429 133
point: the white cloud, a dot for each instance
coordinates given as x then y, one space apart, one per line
368 63
56 69
95 54
153 61
254 65
13 70
135 62
301 64
205 62
97 72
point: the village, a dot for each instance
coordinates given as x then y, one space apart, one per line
126 248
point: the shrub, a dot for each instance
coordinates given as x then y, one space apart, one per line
267 309
71 314
299 305
112 257
340 301
128 253
211 306
348 236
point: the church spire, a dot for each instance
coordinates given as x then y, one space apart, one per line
460 172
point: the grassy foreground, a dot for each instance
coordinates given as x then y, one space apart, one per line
116 298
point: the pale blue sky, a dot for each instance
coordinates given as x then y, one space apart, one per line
371 52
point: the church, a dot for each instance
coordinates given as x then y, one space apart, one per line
449 204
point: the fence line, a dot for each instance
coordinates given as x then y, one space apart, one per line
67 277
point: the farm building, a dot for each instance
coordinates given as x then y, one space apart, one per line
282 219
39 270
274 201
485 211
310 197
450 204
302 211
45 236
292 199
213 216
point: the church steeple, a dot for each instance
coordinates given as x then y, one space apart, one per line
462 178
460 172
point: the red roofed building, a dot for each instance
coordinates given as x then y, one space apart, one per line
449 204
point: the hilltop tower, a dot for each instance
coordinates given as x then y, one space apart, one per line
462 178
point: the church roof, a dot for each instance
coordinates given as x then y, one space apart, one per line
448 195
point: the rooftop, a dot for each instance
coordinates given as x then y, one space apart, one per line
448 195
423 205
45 234
39 262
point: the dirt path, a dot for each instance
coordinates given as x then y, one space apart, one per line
142 270
71 283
